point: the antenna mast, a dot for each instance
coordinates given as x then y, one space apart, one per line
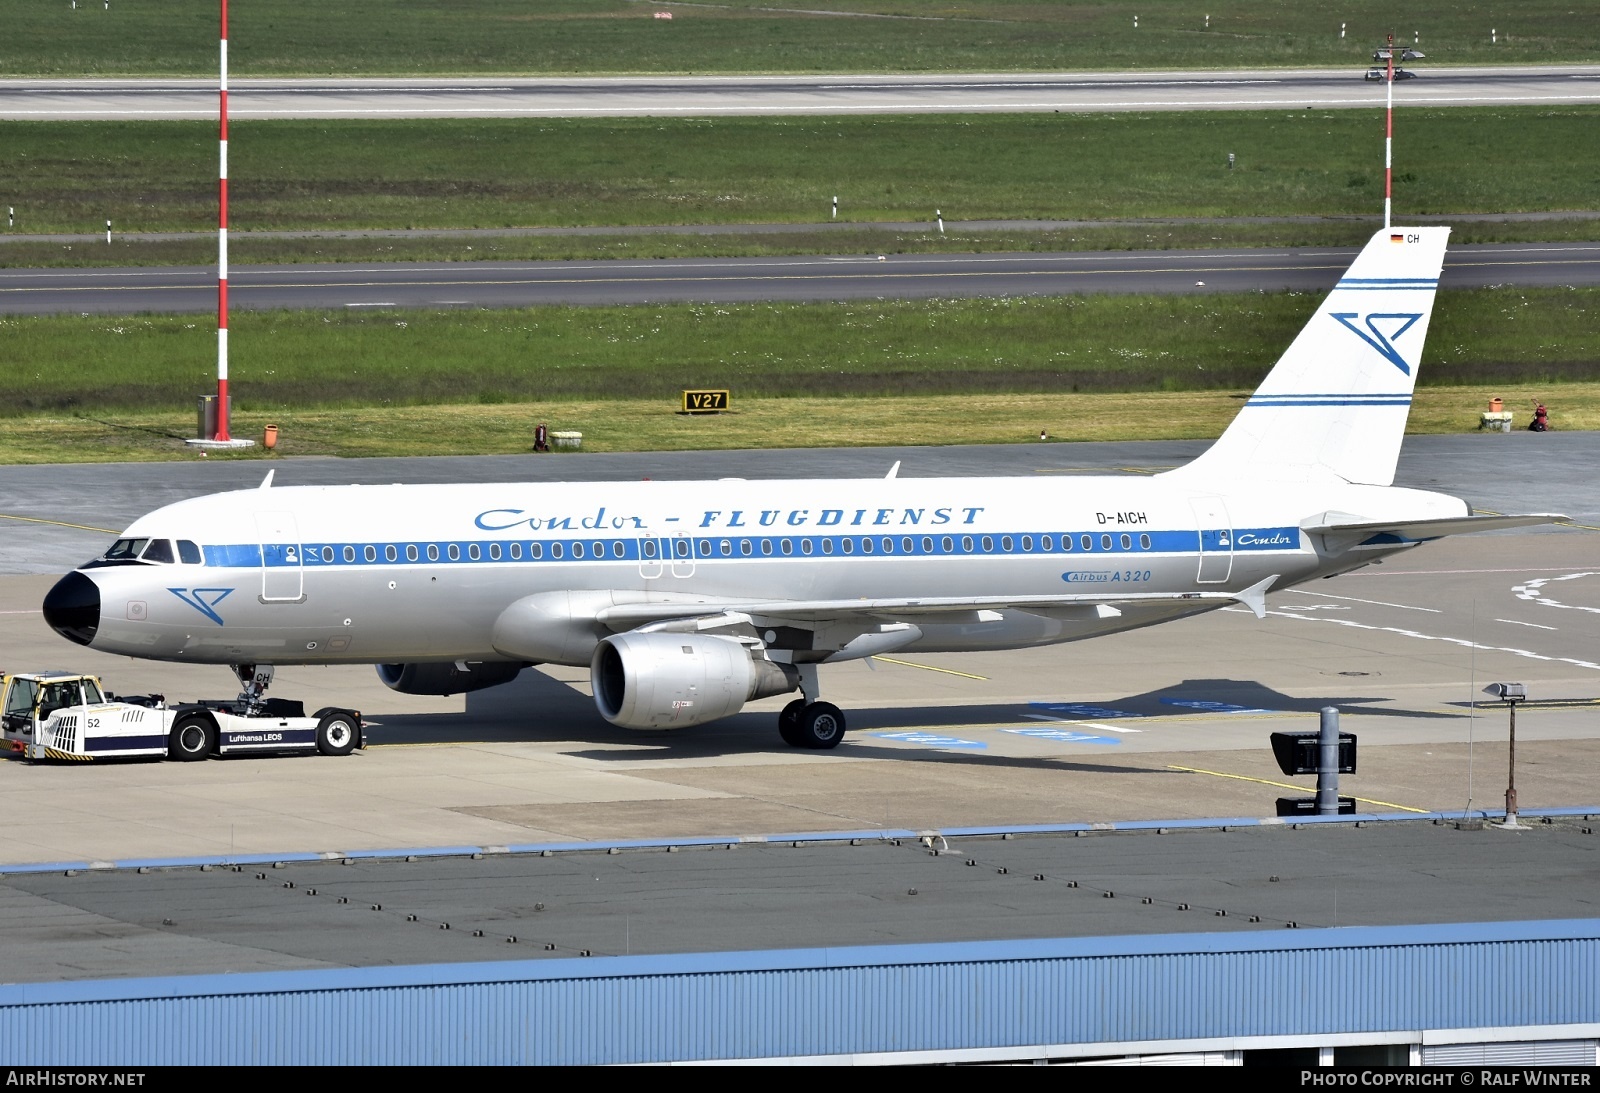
222 240
1389 127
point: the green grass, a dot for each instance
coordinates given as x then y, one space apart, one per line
160 176
369 37
651 425
309 360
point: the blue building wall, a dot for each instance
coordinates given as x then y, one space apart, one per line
826 1001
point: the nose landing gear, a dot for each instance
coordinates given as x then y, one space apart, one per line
255 679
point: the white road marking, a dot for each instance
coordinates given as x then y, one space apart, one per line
1085 724
1357 599
1535 625
382 304
1463 642
1531 591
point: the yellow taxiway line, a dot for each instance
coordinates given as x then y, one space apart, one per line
55 523
930 668
1287 785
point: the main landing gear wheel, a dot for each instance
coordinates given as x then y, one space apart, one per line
789 722
193 738
337 734
820 726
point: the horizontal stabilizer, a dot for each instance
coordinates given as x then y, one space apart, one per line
1420 530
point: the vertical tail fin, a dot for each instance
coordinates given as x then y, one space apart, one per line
1335 405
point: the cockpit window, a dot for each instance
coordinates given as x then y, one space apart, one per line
159 550
189 553
126 550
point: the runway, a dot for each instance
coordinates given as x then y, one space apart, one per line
677 96
1165 723
722 280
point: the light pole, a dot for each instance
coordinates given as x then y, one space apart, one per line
1510 694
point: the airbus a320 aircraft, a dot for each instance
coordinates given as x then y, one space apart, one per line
687 600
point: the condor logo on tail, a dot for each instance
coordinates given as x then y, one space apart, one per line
1376 337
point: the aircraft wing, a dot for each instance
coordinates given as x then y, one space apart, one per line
927 608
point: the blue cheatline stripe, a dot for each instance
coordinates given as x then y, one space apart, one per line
1285 401
651 551
1388 282
234 556
1346 396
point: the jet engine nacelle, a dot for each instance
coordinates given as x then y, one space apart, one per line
447 679
666 680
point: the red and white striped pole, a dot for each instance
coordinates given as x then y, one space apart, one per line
222 243
1389 132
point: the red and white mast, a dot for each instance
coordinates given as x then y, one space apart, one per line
222 243
1389 128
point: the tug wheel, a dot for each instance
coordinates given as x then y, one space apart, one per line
192 739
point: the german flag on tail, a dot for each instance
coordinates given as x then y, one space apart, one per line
1397 237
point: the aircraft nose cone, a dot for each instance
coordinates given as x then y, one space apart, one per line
72 608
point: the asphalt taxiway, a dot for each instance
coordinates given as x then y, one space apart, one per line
721 280
1168 722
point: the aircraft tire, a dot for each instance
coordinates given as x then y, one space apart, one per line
789 723
337 733
192 739
821 726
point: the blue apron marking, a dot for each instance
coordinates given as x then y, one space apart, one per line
1064 736
1082 710
929 740
1214 707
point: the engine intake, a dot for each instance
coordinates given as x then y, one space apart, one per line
668 681
447 679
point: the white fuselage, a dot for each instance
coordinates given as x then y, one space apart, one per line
376 574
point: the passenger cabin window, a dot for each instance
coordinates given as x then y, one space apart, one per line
189 553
